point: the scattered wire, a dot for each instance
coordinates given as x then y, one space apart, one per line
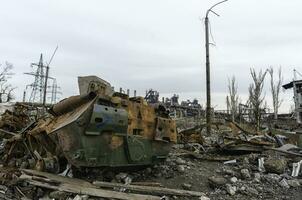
212 37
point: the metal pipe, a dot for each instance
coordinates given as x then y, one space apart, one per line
71 103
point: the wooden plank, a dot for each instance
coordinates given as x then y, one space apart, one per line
57 178
85 190
77 186
150 190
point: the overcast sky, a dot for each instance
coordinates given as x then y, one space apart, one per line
139 44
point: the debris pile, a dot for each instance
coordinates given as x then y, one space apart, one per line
106 145
14 118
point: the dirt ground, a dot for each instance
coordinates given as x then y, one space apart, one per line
183 171
195 176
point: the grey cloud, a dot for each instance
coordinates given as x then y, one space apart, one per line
160 44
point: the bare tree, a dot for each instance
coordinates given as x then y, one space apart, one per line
233 98
227 100
6 89
275 90
255 95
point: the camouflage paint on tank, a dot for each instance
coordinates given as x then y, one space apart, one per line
108 131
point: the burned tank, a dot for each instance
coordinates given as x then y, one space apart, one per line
98 128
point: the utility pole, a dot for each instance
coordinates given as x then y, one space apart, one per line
208 77
208 82
45 85
46 77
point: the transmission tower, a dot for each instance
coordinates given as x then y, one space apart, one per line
54 90
40 88
37 87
